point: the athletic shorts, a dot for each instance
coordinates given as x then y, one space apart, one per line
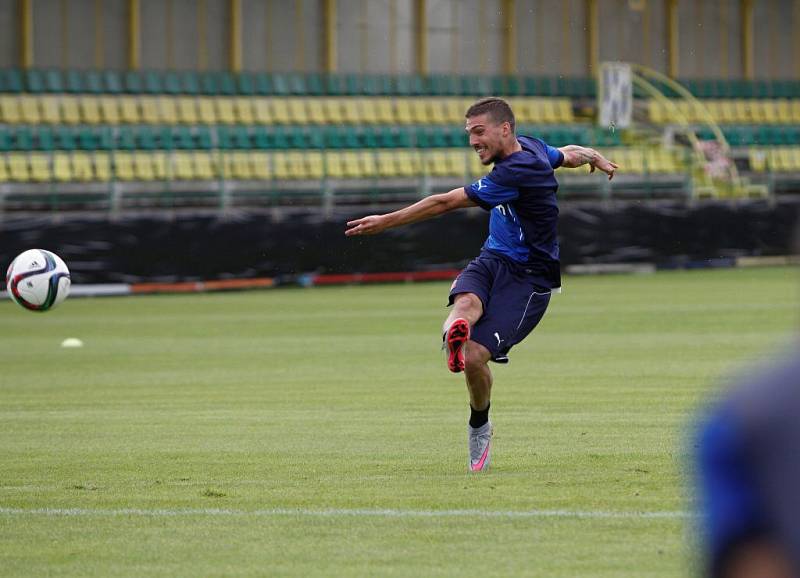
513 302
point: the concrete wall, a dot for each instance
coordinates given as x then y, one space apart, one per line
377 36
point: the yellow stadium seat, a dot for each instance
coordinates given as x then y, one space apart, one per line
129 110
795 103
367 164
369 110
420 111
187 110
451 111
661 160
123 166
526 110
70 110
332 110
402 109
29 108
297 110
760 110
238 165
243 108
90 110
298 165
102 167
10 109
206 113
168 110
316 111
18 167
51 110
151 113
435 162
351 164
205 166
183 166
564 110
62 171
783 112
226 110
351 110
407 163
281 167
109 109
280 111
4 174
656 112
387 165
262 111
795 152
261 164
40 167
82 167
475 168
334 165
758 160
385 110
143 166
315 164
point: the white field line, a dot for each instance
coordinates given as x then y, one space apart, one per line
341 512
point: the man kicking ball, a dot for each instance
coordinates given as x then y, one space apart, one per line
502 294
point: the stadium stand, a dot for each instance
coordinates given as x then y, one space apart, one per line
112 130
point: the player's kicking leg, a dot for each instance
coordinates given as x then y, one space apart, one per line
467 309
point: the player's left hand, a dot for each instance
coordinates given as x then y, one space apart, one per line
605 165
370 225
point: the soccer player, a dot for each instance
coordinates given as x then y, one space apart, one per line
503 293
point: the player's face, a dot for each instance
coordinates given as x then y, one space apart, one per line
486 137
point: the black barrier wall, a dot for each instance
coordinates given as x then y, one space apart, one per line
195 247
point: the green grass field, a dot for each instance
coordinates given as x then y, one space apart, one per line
317 432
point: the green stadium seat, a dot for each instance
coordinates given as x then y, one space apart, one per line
224 136
262 138
280 137
188 82
10 80
209 83
352 85
126 139
146 138
264 85
53 81
227 83
43 138
245 84
93 82
280 85
297 83
152 83
133 82
34 80
315 84
23 139
334 84
64 139
113 82
5 141
171 83
202 138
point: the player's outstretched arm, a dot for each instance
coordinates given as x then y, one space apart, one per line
576 156
425 209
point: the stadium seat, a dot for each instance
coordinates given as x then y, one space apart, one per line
168 110
4 174
243 109
18 167
51 110
205 165
225 110
124 166
82 169
10 109
206 112
187 110
262 112
109 109
102 167
151 113
280 111
90 110
129 109
261 164
238 165
62 171
29 109
40 167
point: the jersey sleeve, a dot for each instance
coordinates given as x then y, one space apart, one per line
489 194
555 156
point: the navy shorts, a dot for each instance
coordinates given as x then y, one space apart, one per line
513 302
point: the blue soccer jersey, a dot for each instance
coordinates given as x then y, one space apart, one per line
520 192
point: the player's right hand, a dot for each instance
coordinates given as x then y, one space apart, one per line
605 165
366 225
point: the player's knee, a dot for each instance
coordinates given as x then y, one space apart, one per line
476 357
468 302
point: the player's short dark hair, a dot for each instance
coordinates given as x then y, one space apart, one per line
497 108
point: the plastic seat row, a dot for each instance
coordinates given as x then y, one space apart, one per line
726 111
241 165
778 159
144 137
71 109
284 165
738 136
284 84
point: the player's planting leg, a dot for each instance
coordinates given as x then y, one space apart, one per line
479 385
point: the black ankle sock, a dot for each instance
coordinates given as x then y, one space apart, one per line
478 418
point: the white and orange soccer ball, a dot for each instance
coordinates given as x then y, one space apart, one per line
38 280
